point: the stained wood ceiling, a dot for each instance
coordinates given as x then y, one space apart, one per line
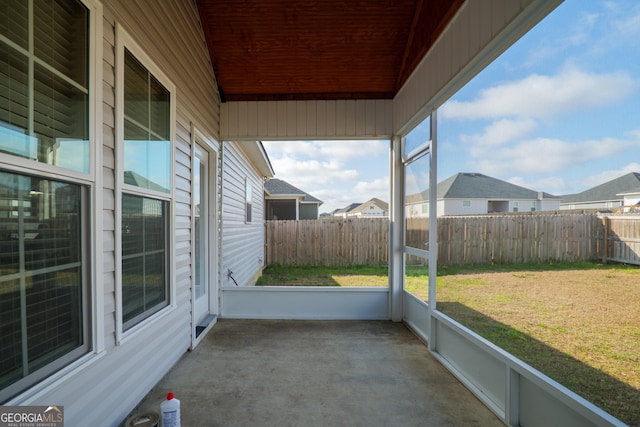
319 49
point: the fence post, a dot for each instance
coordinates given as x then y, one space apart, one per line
605 238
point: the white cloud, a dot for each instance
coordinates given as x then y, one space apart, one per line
546 156
541 96
377 188
608 175
629 25
325 150
552 185
336 172
500 132
304 173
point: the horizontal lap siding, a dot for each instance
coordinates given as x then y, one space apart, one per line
277 120
104 391
242 243
108 181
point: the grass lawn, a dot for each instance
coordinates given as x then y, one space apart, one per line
577 323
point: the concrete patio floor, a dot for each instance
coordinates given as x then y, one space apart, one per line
316 373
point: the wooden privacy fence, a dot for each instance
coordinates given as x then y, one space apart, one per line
335 242
501 239
518 239
621 235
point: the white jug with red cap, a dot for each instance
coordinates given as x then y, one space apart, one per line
170 411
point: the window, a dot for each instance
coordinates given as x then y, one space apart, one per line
145 176
416 177
44 215
147 144
44 319
144 257
533 206
515 206
466 203
247 200
44 79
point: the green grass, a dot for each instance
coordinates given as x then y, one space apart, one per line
577 323
357 276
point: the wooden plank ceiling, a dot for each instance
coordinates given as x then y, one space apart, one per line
319 49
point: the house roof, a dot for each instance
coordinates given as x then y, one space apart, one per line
632 192
382 205
133 178
258 156
277 187
330 49
478 186
347 208
610 190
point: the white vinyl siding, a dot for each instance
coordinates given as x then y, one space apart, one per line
462 207
280 120
169 33
242 242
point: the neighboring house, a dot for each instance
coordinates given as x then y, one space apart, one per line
631 201
475 193
609 195
373 208
344 212
284 201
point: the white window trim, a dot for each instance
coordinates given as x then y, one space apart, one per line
124 40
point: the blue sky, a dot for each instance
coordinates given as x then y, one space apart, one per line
558 112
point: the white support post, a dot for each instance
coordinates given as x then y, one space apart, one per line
396 232
512 404
433 229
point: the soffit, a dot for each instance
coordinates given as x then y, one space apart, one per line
325 49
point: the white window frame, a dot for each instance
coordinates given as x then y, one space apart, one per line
125 41
93 180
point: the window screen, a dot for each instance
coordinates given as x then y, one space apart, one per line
416 177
